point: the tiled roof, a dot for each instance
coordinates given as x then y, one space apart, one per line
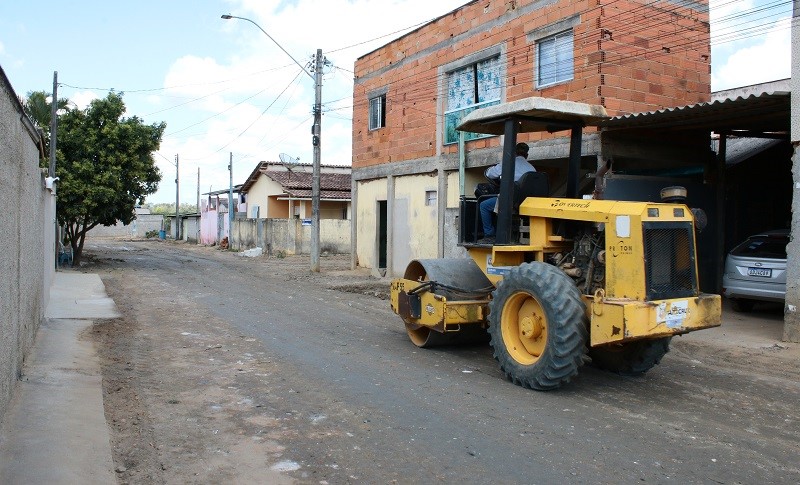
294 169
298 184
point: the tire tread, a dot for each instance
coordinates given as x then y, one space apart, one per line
566 322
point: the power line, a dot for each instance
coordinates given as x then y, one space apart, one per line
425 85
734 26
262 113
178 86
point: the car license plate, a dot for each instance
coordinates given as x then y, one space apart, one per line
762 272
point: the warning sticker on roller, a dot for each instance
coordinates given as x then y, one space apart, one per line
673 314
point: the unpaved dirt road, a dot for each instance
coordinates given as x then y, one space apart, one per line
226 369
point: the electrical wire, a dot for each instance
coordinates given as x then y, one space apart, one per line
738 25
423 87
257 118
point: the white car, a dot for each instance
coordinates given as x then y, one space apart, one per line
755 270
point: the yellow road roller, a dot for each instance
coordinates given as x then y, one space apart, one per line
566 280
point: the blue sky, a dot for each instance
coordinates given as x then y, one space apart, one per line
222 86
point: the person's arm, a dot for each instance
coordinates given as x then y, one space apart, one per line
494 172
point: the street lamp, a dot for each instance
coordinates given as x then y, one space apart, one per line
316 141
228 17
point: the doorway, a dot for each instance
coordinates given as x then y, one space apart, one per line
383 233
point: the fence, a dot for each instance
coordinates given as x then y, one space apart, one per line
140 226
27 239
292 236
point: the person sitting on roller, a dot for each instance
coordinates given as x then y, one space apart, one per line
487 206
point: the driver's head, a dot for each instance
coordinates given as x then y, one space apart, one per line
522 149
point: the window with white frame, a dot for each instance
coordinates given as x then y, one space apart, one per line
470 87
377 112
554 59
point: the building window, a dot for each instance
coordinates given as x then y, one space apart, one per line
468 88
377 112
430 197
554 59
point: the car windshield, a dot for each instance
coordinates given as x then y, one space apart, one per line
762 247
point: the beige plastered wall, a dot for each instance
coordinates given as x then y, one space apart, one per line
415 224
369 193
259 195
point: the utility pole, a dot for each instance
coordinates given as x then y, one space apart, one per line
198 190
52 168
177 200
53 125
316 140
230 203
316 132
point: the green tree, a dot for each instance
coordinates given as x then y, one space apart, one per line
169 209
105 165
39 109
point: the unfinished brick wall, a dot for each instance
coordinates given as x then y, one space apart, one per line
629 56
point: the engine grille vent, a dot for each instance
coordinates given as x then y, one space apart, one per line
669 260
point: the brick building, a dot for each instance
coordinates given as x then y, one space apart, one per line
629 56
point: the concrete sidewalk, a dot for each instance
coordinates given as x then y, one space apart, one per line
55 429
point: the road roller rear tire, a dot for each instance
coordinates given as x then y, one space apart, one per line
632 358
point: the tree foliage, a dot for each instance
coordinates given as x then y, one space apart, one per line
39 109
169 209
105 166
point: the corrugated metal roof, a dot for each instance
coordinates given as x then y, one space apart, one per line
764 113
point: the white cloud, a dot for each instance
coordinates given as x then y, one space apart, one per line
767 58
721 9
213 92
81 99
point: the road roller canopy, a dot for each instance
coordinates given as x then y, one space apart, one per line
533 114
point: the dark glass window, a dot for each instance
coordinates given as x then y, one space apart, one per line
763 247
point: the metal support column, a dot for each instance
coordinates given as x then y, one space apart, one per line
720 217
505 201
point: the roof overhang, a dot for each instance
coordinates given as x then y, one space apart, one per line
533 114
236 190
767 115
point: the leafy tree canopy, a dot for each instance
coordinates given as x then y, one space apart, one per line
39 109
169 209
105 166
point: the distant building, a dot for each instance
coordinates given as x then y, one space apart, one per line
280 191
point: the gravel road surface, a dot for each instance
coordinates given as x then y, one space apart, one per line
255 370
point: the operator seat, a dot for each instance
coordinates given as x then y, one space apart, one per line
531 184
